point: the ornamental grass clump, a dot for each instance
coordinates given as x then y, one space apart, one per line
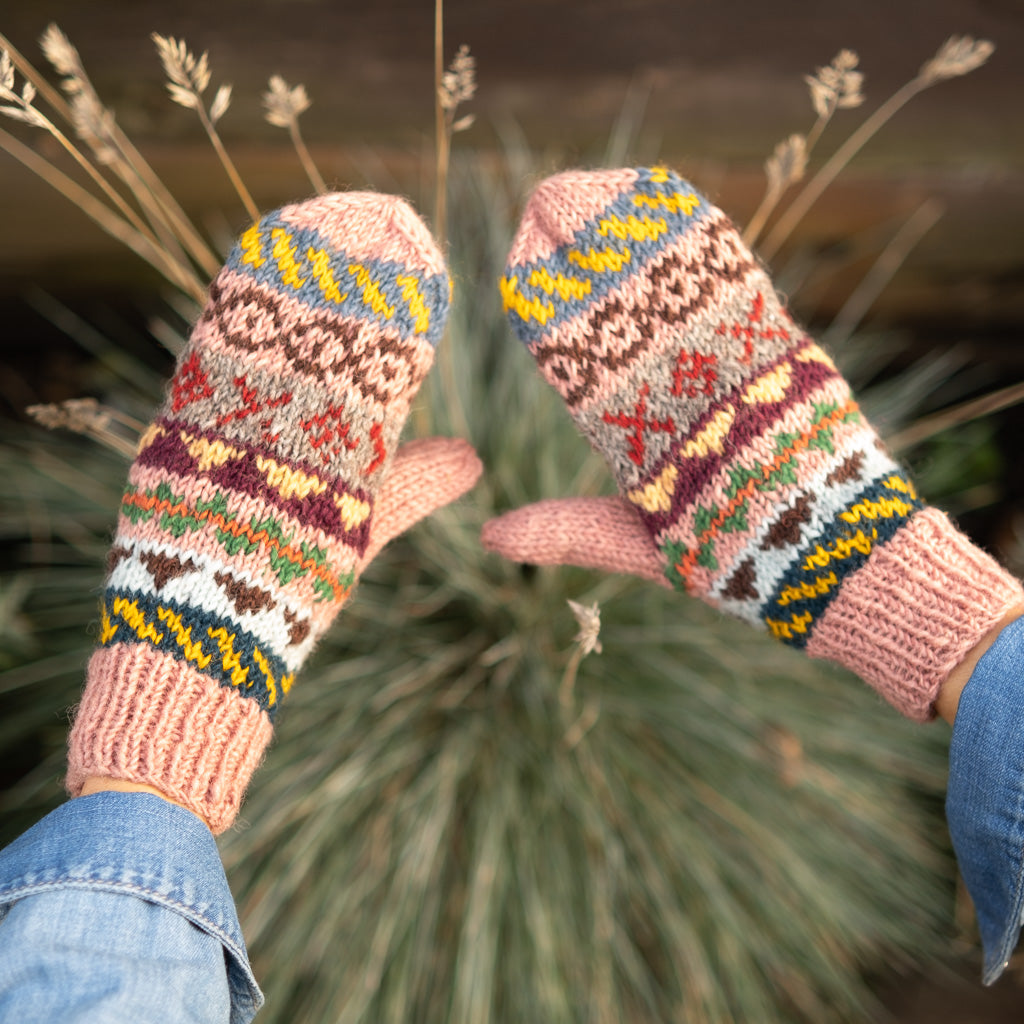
502 793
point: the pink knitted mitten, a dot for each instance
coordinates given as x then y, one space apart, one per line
748 475
261 490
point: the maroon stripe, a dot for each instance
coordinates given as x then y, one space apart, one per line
242 476
752 421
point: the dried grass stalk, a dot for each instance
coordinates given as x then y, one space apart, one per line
784 167
103 216
188 77
959 55
98 128
87 416
283 106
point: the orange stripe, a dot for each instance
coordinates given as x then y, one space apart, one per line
685 567
238 529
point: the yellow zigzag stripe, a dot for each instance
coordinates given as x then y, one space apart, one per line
193 648
844 547
609 259
412 297
324 276
131 613
252 247
149 435
372 295
711 437
885 508
673 203
526 308
567 287
803 591
897 483
771 387
353 511
632 227
785 630
285 681
209 453
284 253
289 482
813 354
657 495
659 175
228 658
107 628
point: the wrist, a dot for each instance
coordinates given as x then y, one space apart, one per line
106 784
948 700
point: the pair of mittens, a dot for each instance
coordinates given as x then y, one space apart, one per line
747 474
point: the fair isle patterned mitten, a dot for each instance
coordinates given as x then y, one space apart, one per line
260 491
733 439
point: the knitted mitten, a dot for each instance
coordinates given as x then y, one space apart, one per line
256 496
733 439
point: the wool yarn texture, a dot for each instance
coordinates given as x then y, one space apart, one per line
248 512
733 438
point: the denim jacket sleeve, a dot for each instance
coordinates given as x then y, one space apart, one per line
114 908
985 796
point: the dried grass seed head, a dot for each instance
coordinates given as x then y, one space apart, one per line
458 83
58 50
589 619
6 75
958 55
284 104
20 108
787 164
188 75
221 102
78 414
837 85
94 124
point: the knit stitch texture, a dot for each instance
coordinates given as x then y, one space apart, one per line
247 515
735 438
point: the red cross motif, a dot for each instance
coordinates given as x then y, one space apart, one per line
189 384
253 404
328 434
638 423
684 380
751 331
380 452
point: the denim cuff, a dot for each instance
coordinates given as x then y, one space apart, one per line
140 845
985 796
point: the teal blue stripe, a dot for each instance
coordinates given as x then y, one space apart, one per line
838 529
199 622
384 273
588 237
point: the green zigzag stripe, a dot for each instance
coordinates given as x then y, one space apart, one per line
238 537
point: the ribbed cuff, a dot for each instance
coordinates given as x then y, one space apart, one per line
147 717
915 609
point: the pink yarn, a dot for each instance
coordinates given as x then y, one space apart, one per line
911 614
560 206
147 717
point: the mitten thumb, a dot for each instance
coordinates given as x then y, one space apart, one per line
424 476
593 533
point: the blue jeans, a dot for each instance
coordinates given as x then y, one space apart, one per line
115 907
